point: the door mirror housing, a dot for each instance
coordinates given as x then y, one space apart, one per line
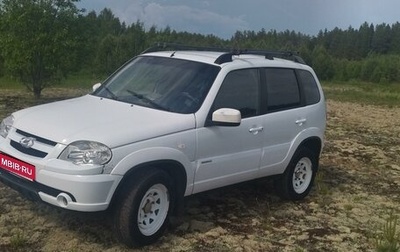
226 117
96 86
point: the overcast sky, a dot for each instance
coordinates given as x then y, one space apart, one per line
223 18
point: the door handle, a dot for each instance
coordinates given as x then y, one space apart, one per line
256 130
300 122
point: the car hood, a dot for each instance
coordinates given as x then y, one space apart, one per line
93 118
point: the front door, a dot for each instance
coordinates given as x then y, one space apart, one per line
228 155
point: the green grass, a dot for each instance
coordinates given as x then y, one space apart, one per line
388 240
9 83
72 81
81 81
15 96
18 241
364 93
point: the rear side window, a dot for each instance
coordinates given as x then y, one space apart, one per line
310 87
282 89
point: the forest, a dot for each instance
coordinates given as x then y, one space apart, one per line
43 41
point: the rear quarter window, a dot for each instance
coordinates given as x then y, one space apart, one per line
310 87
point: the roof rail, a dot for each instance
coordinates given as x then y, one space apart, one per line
267 54
228 53
180 47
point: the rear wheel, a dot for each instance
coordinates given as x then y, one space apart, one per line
297 180
142 214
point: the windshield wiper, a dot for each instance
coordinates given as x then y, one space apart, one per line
148 100
113 96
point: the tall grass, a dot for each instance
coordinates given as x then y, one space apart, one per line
389 238
9 83
364 93
82 80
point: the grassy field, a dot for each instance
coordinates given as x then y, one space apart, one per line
14 95
354 206
73 81
364 93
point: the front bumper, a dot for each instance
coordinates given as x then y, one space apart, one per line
89 193
57 182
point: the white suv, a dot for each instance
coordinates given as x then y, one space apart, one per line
166 125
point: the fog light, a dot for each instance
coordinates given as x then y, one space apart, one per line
63 199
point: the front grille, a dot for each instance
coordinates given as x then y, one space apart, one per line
40 148
29 151
39 139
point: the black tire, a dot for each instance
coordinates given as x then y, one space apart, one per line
142 213
297 180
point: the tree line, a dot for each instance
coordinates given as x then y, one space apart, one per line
41 41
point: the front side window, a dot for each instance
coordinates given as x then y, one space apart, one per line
162 83
240 90
282 89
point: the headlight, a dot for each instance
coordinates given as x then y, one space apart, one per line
86 153
6 125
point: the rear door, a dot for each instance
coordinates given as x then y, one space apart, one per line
287 114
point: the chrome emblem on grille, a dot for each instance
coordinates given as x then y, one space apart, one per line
27 142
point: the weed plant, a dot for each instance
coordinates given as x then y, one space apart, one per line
389 238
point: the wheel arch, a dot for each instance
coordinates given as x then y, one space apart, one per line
175 170
314 144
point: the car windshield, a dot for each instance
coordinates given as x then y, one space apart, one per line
161 83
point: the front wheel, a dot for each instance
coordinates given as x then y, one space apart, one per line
142 214
297 180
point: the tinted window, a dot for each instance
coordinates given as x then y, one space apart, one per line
240 90
282 89
310 87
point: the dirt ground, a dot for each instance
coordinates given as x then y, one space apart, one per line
355 191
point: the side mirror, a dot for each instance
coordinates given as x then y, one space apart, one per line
226 117
96 86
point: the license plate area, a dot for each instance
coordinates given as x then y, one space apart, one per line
17 167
